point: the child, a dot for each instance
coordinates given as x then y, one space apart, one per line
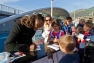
67 44
56 33
80 36
88 34
68 27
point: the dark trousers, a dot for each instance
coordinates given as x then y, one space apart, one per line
81 54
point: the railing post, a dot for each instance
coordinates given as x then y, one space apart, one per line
0 7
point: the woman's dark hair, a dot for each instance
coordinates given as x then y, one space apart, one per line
56 22
29 21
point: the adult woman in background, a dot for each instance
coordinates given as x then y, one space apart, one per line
46 32
20 37
81 23
47 26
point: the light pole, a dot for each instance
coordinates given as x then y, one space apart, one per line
75 11
52 8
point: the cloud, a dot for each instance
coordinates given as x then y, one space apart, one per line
7 1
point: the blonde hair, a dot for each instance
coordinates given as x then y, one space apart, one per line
29 21
45 23
68 42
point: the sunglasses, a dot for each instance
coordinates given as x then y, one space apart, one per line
48 20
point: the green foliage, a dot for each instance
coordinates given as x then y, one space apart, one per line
82 12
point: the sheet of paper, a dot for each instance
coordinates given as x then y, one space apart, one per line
38 47
80 36
54 46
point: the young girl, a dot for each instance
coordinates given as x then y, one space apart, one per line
80 40
80 36
56 33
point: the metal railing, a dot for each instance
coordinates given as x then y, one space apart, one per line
10 9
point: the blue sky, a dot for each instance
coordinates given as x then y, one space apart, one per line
27 5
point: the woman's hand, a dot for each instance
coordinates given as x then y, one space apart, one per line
33 47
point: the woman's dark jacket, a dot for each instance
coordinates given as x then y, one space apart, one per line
20 38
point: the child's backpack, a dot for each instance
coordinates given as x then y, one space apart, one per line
89 51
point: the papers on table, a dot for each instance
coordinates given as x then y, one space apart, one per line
16 55
4 55
54 46
38 47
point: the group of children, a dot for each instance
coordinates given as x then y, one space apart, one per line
69 37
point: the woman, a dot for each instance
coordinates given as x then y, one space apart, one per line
47 26
20 37
48 21
46 31
81 23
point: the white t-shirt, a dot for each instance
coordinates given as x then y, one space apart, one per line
46 33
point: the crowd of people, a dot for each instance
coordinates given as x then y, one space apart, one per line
69 37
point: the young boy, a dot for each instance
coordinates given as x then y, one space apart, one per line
67 45
88 34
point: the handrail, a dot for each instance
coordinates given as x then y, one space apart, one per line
23 14
18 15
10 9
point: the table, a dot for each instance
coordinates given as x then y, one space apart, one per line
31 55
38 56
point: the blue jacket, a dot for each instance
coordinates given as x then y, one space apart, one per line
90 36
64 28
70 58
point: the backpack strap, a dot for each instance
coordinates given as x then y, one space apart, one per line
60 33
51 33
